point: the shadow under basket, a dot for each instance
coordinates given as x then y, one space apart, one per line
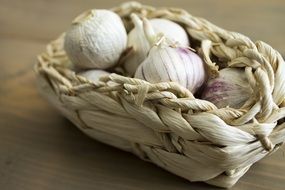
164 123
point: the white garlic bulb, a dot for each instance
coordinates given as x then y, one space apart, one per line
171 30
230 88
96 39
176 64
93 74
140 44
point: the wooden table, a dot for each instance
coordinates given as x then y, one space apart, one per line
39 149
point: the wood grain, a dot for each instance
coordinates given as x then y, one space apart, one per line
39 149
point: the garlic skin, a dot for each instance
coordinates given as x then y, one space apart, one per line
230 88
173 64
93 74
140 44
96 39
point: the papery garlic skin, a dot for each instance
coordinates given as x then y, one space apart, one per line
230 88
141 45
93 74
168 64
96 39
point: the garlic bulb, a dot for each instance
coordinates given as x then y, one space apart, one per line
230 88
177 64
96 39
93 75
141 46
171 30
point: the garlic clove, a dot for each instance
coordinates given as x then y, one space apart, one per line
139 38
230 88
96 39
93 74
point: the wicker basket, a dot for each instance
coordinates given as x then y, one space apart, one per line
163 123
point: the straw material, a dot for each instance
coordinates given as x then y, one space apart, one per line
163 123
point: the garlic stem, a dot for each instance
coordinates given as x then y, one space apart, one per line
137 21
149 32
84 17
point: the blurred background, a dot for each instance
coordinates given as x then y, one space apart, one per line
39 149
43 20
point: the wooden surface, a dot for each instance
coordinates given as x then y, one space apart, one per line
39 149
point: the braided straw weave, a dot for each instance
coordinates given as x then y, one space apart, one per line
163 123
